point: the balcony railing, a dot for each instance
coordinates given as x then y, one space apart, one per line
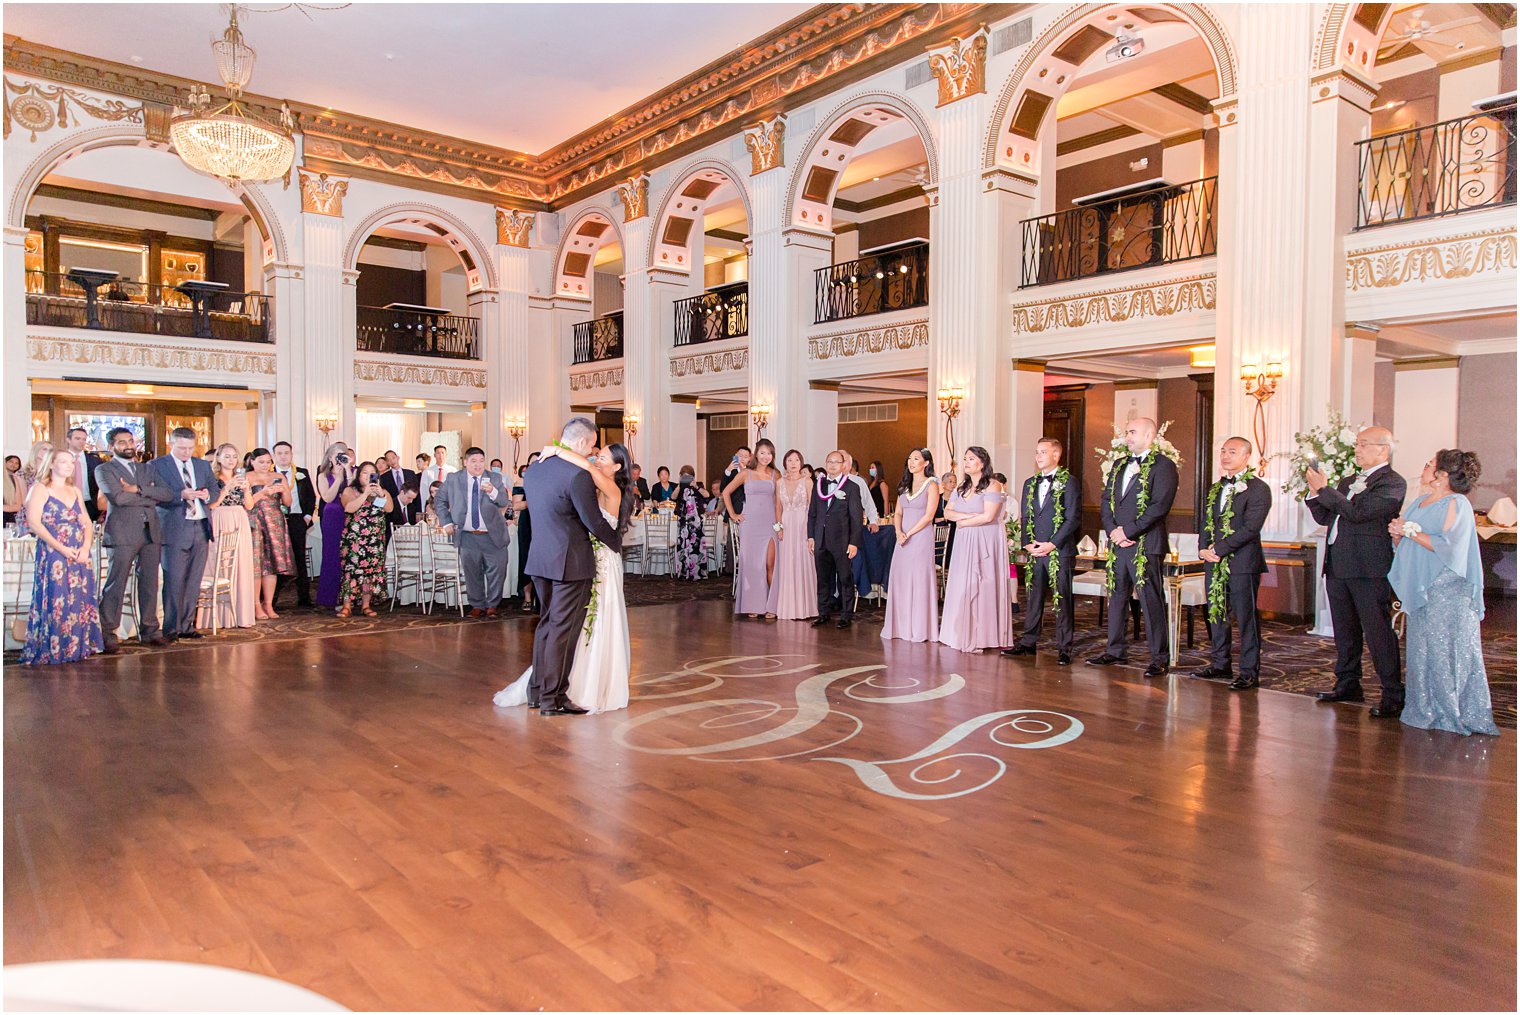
893 279
714 315
410 333
1165 224
599 339
1444 169
59 300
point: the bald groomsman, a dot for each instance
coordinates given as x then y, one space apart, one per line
1229 541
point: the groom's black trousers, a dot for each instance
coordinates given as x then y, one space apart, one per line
562 614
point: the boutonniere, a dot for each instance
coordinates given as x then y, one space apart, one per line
1239 486
1058 486
838 494
300 474
1358 486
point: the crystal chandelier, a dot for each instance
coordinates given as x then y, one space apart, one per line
231 142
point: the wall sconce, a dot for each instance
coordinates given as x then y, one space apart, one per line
631 424
760 415
517 428
1261 385
950 405
327 422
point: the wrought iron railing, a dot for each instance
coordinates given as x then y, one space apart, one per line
714 315
1444 169
1159 226
58 299
599 339
410 333
893 279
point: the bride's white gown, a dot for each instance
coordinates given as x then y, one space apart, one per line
599 675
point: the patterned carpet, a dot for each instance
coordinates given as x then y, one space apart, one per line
1292 659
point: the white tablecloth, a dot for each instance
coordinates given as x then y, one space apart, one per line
714 531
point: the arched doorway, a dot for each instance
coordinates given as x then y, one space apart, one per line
588 270
702 230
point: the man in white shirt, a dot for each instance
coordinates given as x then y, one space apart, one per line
469 510
298 516
84 471
439 471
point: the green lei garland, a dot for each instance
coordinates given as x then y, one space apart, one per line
1142 500
1053 560
596 584
1219 581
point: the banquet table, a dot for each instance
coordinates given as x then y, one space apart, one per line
714 534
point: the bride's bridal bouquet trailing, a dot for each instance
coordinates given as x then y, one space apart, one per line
1330 448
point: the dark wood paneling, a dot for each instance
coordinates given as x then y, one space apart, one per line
905 225
380 284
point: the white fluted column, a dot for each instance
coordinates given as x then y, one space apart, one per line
328 297
489 428
649 295
18 387
1263 236
1007 199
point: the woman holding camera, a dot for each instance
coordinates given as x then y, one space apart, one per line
229 521
363 555
333 478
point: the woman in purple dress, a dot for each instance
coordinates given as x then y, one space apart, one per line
335 474
64 625
796 574
757 532
978 599
912 592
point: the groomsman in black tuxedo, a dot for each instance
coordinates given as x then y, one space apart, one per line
835 522
1050 492
1230 541
1133 531
393 481
298 518
1358 556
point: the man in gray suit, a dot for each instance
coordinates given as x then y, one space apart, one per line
186 525
469 506
132 531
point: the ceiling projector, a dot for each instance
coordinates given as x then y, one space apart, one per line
1124 47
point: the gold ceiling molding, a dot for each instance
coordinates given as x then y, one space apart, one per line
1163 299
961 68
827 48
764 141
39 108
634 195
513 227
1450 258
322 194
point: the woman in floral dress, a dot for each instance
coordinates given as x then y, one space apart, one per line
363 555
267 497
64 625
689 541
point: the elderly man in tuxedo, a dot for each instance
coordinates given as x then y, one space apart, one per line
470 507
835 523
133 492
1133 529
1050 491
1358 557
1230 543
186 524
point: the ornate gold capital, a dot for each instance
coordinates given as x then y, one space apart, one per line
764 144
513 227
961 68
635 197
322 194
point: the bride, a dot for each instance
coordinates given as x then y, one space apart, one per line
599 676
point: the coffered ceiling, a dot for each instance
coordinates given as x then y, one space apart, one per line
518 76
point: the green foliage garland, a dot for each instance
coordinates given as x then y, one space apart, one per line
1219 580
1053 560
596 586
1142 500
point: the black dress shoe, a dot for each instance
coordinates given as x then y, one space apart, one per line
1064 659
1384 712
192 634
566 709
1212 673
1155 670
1244 683
1104 660
819 622
1019 650
156 639
1336 696
842 624
108 646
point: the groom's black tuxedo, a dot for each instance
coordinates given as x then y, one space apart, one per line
835 525
1242 549
562 500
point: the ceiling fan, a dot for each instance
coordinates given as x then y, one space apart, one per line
1420 31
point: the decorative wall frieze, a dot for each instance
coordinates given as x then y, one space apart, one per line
38 108
960 68
450 172
1454 257
513 228
322 194
127 353
634 196
402 372
604 377
765 144
1160 299
725 361
870 341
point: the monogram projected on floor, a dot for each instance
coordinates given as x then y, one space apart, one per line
810 725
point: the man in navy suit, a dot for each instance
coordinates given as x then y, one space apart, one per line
186 525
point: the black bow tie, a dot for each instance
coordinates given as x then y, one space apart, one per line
1136 459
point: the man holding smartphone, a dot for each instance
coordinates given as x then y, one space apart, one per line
470 506
298 516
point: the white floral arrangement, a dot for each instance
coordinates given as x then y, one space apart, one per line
1118 448
1330 448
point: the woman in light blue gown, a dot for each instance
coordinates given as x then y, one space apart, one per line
1438 580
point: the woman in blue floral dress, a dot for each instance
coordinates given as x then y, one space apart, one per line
64 625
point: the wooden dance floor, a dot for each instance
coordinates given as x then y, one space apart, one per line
784 819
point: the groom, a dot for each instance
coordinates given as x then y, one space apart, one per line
562 501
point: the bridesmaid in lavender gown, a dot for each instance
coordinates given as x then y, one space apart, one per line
912 593
757 533
796 576
978 600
